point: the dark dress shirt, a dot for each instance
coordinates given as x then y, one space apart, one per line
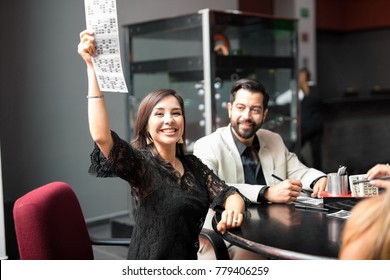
253 172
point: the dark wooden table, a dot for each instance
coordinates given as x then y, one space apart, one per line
281 231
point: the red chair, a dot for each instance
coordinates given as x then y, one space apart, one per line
50 225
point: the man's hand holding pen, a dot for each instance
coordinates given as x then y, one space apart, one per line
285 191
318 188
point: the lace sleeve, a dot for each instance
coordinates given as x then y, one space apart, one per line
123 161
217 189
100 166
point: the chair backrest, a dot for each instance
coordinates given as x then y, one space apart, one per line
50 225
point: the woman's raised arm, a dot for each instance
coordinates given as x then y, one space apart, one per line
99 125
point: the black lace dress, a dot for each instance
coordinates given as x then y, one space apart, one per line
170 210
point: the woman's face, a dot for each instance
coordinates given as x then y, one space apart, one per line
166 122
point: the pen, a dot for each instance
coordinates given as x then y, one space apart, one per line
310 207
281 180
278 178
366 180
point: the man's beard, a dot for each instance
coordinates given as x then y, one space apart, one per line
247 133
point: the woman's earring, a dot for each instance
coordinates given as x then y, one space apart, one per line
180 140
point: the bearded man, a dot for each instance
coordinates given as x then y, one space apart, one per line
253 159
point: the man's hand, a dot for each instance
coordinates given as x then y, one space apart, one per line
286 191
319 187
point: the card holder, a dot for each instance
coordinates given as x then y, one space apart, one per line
361 189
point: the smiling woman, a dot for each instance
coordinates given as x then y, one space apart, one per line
165 126
173 191
160 126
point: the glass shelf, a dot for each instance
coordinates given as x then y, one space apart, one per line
202 54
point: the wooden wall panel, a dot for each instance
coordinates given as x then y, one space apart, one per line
352 15
259 7
336 15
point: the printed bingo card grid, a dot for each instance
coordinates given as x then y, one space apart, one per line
101 18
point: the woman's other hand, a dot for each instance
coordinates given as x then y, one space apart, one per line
230 219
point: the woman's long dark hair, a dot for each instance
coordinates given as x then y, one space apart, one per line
141 135
145 110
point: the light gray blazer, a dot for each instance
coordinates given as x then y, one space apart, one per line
219 152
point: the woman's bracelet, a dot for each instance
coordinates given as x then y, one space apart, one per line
95 96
